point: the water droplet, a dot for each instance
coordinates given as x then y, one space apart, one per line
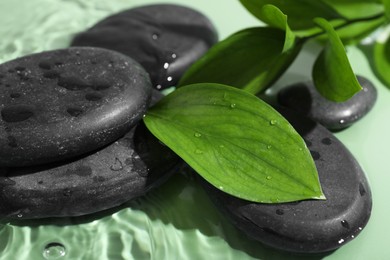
220 187
326 141
273 122
197 134
158 86
117 166
20 215
352 236
360 228
169 78
166 65
345 224
362 190
54 251
198 151
342 121
155 36
269 147
268 177
67 193
232 105
174 56
341 241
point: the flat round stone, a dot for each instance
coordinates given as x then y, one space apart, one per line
59 104
305 98
165 39
310 226
126 169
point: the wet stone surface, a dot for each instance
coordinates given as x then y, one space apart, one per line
311 226
125 169
166 39
59 104
305 98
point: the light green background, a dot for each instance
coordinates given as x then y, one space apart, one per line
178 221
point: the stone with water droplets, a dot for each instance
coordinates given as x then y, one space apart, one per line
305 98
59 104
166 39
125 169
310 226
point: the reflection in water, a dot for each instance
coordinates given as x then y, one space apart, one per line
176 221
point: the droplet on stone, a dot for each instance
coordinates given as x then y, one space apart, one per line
345 224
184 35
117 166
43 118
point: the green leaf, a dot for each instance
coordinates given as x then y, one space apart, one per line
300 13
352 9
332 73
251 59
236 142
355 32
274 17
381 57
386 5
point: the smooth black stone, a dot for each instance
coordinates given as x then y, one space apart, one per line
165 39
310 226
64 103
126 169
305 98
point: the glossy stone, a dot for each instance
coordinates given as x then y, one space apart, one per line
305 98
60 104
166 39
124 170
310 226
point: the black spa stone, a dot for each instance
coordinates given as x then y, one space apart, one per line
166 39
126 169
59 104
305 98
311 226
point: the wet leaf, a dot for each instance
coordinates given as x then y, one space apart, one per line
236 142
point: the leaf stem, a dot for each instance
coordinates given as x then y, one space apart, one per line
347 23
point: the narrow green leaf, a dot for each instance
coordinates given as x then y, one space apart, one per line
300 13
355 32
251 59
381 57
332 73
236 142
352 9
276 18
386 5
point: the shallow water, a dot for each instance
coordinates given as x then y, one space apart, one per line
176 221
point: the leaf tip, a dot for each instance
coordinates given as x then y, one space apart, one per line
319 197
